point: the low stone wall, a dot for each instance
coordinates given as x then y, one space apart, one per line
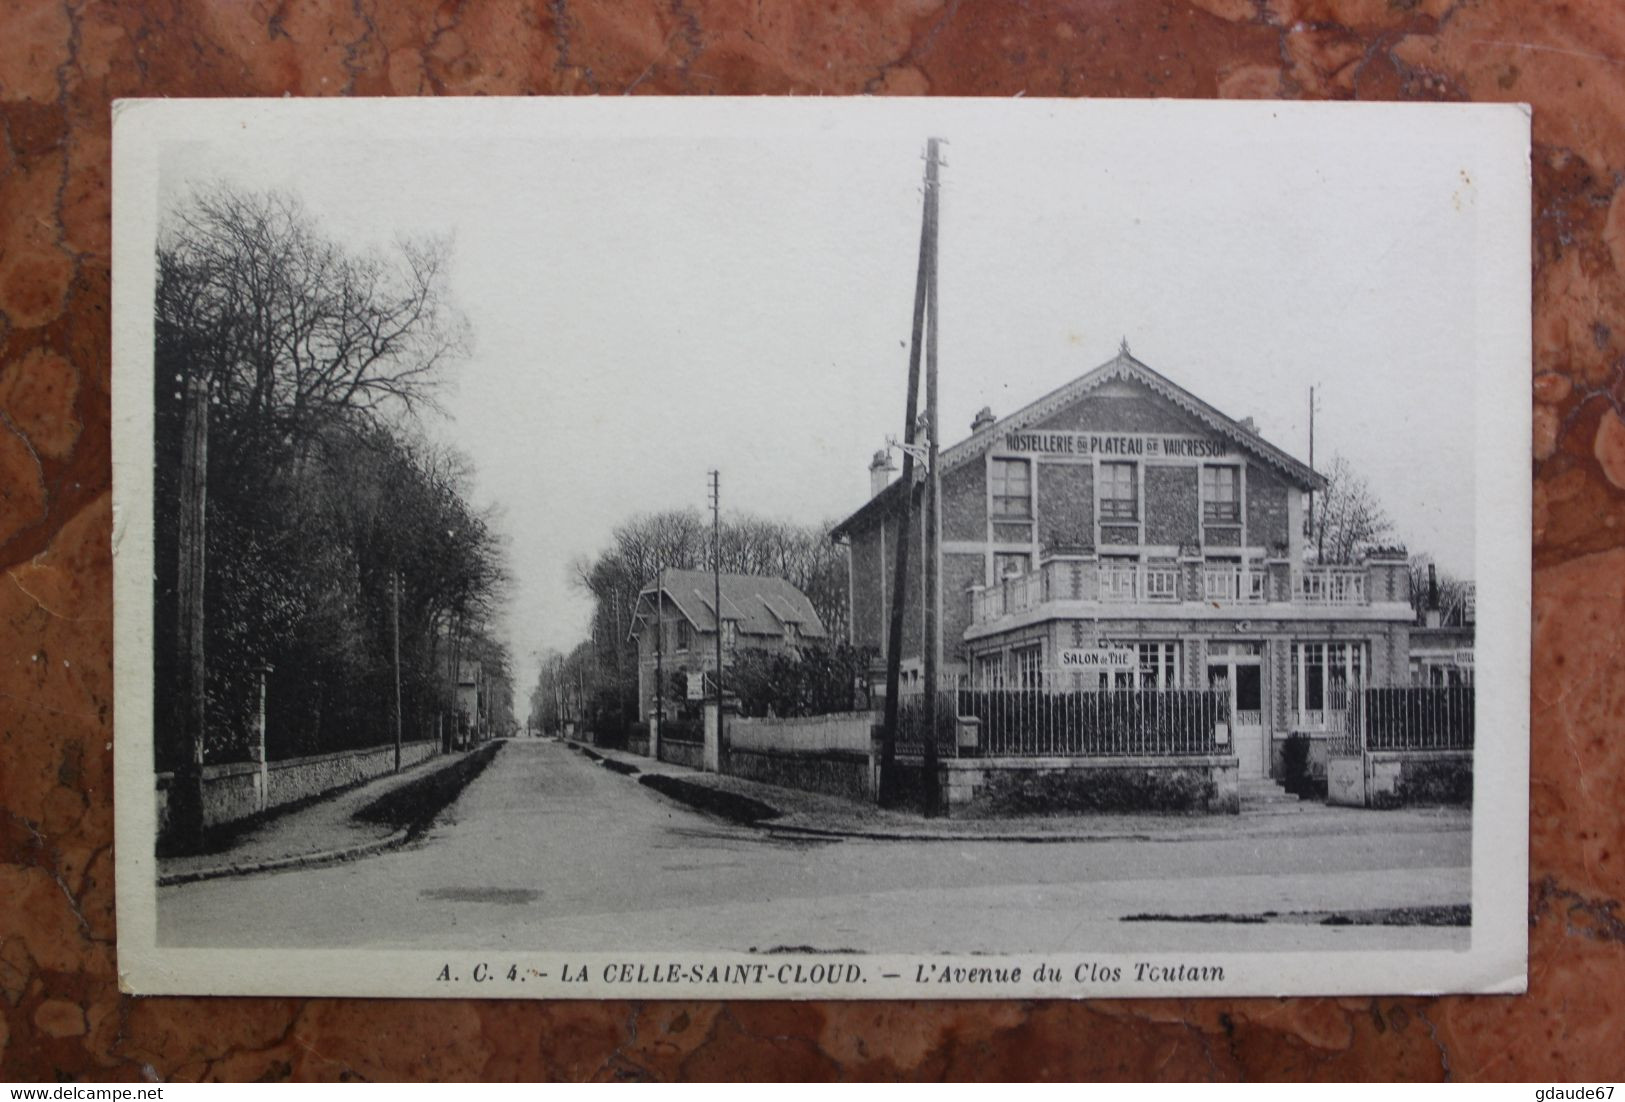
833 772
231 791
1411 777
301 778
1401 778
988 787
234 791
691 754
637 744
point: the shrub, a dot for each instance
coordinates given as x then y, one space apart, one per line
816 680
1295 764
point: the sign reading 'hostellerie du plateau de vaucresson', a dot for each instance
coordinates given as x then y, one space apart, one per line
1136 444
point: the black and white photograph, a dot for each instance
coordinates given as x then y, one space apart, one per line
821 548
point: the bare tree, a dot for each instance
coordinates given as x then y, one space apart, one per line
680 539
293 331
1453 592
1349 520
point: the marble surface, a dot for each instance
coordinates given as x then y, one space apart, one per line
61 64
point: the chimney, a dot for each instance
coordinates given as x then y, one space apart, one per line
1432 615
880 469
984 418
1247 423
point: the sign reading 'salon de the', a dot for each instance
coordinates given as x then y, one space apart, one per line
1097 660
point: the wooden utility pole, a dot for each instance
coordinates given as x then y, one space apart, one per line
395 621
716 583
931 640
186 798
887 796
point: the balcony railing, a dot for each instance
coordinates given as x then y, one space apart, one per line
1128 583
1091 581
1234 584
1329 585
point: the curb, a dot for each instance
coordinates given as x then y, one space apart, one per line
684 791
396 838
900 836
301 860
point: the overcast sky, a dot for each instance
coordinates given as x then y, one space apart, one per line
657 288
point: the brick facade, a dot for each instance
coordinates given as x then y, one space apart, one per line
1122 407
1066 504
1266 507
964 496
1171 505
869 571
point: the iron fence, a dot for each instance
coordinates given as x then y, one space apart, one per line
1042 721
1412 717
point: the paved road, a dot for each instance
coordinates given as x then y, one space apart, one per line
548 851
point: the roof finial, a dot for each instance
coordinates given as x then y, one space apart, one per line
1122 349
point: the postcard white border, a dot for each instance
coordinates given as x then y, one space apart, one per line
1497 959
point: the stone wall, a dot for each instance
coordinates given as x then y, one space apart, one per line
1418 777
833 772
691 754
234 791
989 787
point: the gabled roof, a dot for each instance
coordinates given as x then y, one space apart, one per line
758 604
1123 366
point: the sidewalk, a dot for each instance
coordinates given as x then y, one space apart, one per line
321 832
813 813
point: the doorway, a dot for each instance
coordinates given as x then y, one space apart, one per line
1237 670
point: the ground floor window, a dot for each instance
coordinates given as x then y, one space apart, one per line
1157 665
1439 673
990 670
1322 676
1027 667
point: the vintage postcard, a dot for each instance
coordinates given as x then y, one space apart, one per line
821 548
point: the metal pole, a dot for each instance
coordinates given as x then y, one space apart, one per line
932 600
887 796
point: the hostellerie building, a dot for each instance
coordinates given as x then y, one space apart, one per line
1121 514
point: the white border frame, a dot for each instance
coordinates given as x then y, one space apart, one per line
1497 959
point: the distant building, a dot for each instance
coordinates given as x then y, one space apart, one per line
1442 646
1122 526
470 701
758 612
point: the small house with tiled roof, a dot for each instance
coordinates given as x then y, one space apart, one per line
1122 516
679 610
